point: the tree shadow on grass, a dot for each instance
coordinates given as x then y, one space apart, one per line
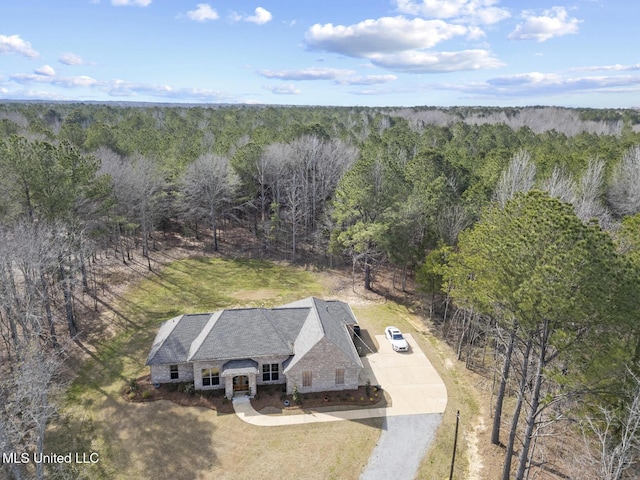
161 440
156 440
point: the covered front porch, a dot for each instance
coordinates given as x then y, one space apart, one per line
239 377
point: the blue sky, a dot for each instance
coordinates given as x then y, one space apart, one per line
580 53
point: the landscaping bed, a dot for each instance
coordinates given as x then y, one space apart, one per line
142 390
271 399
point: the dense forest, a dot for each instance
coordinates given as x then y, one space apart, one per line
521 227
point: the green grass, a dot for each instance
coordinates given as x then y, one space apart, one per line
380 316
162 440
208 284
186 286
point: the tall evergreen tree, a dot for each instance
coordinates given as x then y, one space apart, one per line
552 281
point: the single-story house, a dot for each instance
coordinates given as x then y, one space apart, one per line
307 344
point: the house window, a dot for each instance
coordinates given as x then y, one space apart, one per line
270 372
210 376
173 372
339 376
306 379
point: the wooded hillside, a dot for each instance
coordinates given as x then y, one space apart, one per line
521 225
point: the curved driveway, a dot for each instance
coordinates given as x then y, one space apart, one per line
418 399
409 378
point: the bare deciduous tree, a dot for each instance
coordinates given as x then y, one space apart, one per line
560 185
519 177
136 185
145 184
207 186
588 202
624 192
613 439
38 262
452 220
26 407
297 179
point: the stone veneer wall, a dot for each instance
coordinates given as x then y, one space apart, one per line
322 361
162 373
198 366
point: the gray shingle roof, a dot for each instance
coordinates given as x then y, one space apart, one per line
326 319
247 333
290 330
335 330
239 367
173 341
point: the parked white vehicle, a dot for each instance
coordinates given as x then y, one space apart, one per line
397 340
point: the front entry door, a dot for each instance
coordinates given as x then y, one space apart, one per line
240 383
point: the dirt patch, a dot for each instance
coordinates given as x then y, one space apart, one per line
344 286
473 454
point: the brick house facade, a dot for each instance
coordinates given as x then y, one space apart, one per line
307 344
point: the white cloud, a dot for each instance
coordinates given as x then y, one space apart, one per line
14 44
119 88
471 11
375 91
67 82
202 13
531 78
286 89
608 68
554 22
367 80
387 34
436 62
536 84
80 81
125 3
312 73
340 77
475 33
69 58
400 44
46 70
261 16
490 15
41 95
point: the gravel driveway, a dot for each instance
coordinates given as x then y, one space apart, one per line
418 399
403 443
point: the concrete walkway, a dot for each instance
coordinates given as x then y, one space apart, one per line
409 378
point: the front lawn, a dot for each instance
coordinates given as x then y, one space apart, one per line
161 439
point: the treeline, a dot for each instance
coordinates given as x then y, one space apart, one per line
538 279
550 302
